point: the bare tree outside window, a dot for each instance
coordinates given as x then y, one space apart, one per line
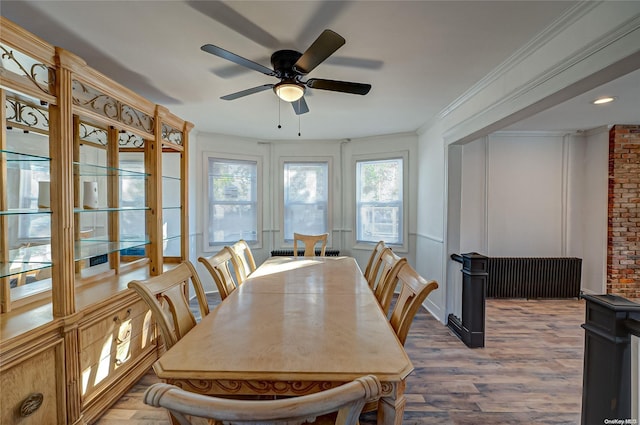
233 200
379 201
306 197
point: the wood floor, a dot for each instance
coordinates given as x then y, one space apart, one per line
530 371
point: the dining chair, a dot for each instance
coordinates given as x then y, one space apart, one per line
414 290
387 278
243 262
347 400
166 296
310 242
219 266
374 263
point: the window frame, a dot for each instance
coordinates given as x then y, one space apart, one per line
404 232
303 160
207 156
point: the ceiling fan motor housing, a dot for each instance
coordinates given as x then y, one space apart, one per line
283 61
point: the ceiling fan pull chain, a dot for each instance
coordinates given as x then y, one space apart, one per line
278 100
299 118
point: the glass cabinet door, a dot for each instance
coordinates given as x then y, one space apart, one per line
110 200
25 215
171 205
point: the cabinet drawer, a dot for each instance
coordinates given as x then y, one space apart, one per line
113 343
114 324
27 385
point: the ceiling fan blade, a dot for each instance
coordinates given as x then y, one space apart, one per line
300 106
324 46
233 70
225 54
341 86
247 92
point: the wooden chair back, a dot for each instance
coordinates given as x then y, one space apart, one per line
167 298
374 262
310 242
413 292
387 277
219 266
243 262
347 400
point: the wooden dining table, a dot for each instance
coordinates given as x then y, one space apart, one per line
296 326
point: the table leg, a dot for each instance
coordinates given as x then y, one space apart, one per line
391 407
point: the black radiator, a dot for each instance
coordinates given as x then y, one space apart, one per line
526 277
289 252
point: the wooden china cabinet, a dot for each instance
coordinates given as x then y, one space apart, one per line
93 194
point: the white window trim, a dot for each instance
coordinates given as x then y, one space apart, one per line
207 155
404 155
300 160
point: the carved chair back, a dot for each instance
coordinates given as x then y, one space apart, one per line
310 242
415 289
243 262
167 297
347 400
219 266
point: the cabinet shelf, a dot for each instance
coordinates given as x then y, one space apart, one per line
88 248
83 250
82 169
11 156
26 259
16 211
109 209
15 268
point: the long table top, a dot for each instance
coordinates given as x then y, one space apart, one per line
294 319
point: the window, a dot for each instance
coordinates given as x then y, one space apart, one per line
233 201
379 209
306 198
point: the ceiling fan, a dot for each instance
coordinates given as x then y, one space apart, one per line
290 66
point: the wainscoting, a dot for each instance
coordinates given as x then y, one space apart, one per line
530 371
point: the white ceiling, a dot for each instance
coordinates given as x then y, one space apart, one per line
419 56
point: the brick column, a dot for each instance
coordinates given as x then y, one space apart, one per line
623 238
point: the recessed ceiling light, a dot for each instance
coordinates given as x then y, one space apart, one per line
603 100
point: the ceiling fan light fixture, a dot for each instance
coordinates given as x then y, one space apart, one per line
289 91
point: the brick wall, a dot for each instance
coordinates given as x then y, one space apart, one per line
623 250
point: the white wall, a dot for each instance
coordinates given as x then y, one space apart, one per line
594 207
525 193
431 251
593 43
537 194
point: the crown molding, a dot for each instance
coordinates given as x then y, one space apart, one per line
570 16
624 34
